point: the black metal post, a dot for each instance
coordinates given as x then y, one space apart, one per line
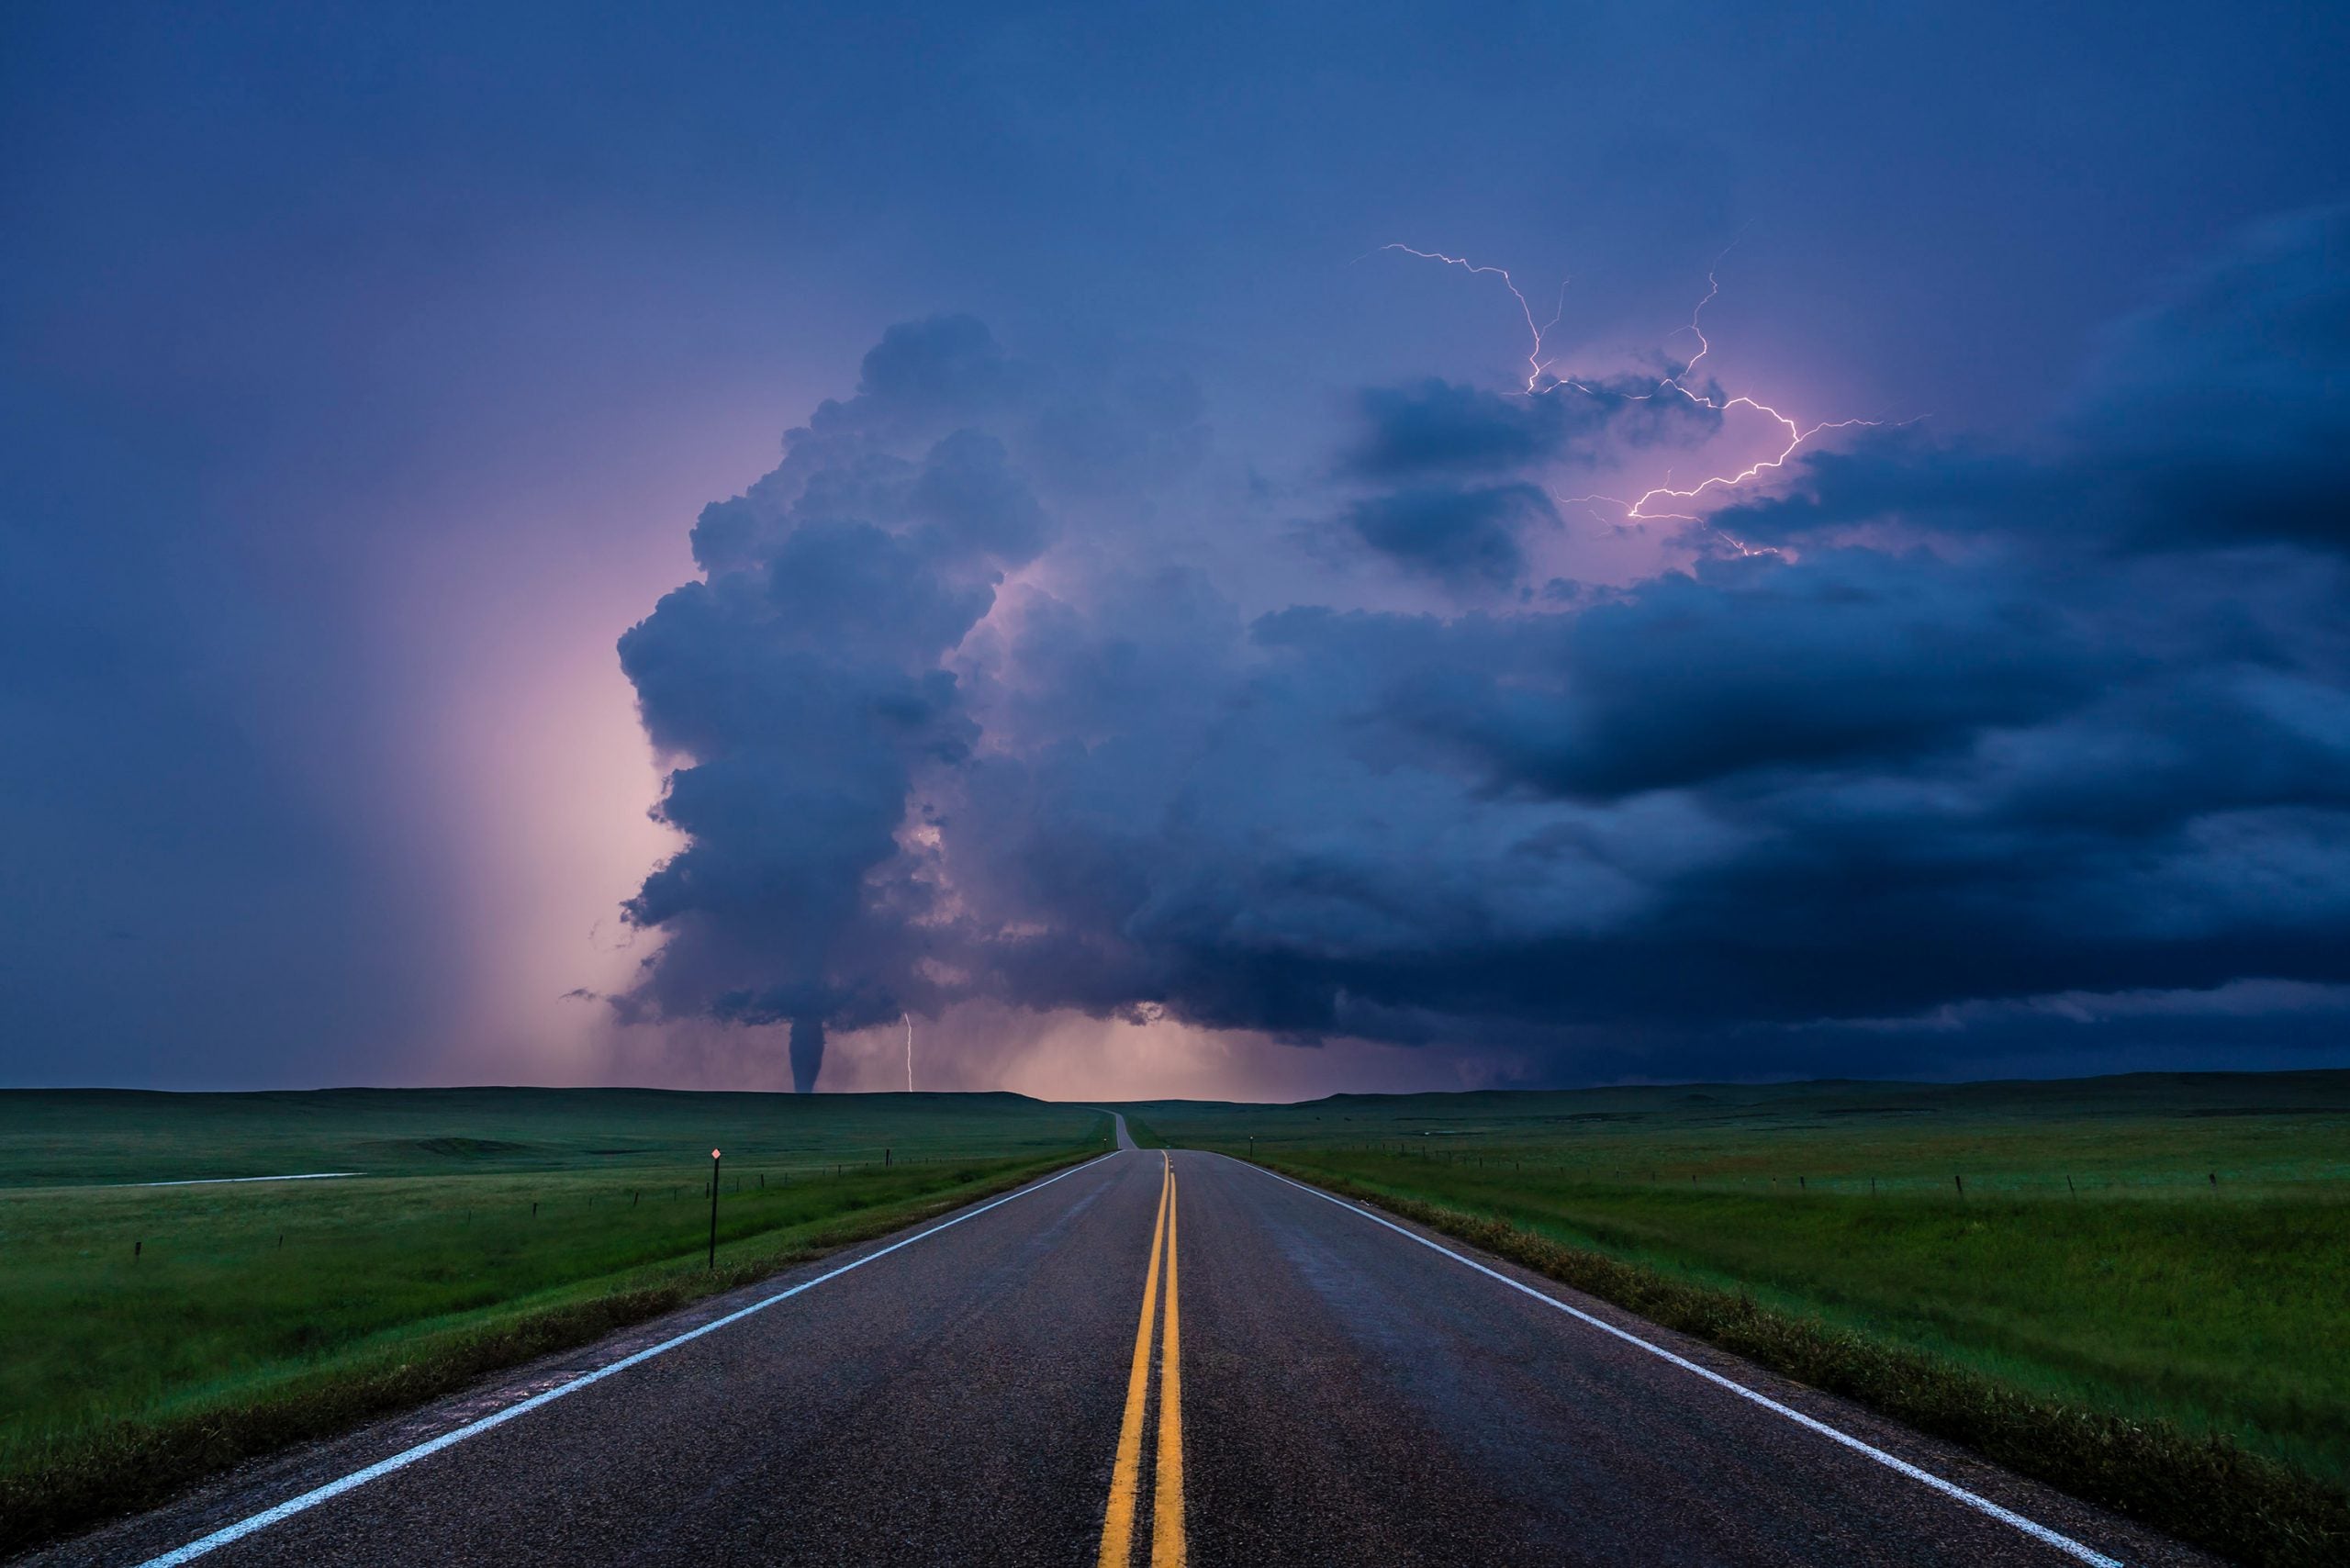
713 1210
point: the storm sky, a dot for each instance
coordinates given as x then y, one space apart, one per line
583 545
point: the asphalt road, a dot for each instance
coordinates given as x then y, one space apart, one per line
992 1390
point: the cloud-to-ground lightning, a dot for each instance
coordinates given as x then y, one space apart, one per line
1636 508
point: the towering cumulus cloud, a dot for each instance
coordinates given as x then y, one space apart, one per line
802 681
992 691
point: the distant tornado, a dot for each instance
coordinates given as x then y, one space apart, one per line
807 1053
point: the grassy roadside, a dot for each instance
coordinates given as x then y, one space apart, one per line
71 1475
2162 1246
2203 1488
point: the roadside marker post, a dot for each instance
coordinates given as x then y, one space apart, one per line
713 1210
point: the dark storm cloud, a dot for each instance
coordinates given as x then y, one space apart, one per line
1461 508
1750 663
352 373
1460 536
1437 426
801 684
2218 417
2223 414
1991 728
1434 427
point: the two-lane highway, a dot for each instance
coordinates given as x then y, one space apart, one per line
1148 1359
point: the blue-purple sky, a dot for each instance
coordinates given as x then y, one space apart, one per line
1174 650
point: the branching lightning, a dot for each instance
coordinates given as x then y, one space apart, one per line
1536 365
1539 382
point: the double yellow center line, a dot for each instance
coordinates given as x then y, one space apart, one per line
1167 1542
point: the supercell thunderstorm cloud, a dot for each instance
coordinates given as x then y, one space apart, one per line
1004 689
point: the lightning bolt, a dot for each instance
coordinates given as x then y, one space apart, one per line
1536 365
1636 509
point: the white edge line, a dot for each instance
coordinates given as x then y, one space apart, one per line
2038 1531
405 1457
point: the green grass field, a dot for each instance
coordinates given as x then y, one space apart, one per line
2170 1246
167 1329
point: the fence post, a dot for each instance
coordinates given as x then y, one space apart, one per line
713 1210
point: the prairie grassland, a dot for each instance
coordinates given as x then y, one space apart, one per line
88 1138
157 1332
2174 1246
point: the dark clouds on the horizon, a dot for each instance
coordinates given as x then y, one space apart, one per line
1980 729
